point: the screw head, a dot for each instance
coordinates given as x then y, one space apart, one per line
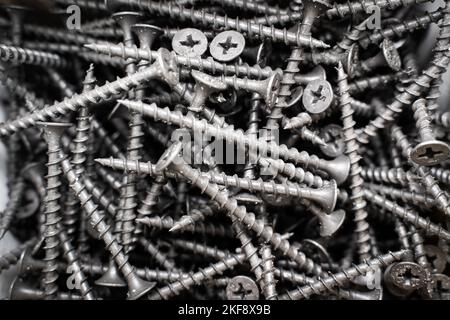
332 135
227 46
273 87
168 66
190 42
146 33
242 288
264 50
296 95
317 96
168 156
408 275
429 153
351 60
391 55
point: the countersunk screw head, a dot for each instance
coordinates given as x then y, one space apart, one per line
296 95
317 96
168 66
273 87
168 156
190 42
242 288
391 55
429 153
227 46
351 59
332 135
408 275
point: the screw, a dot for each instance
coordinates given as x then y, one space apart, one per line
338 169
190 42
249 27
318 96
242 288
339 279
268 275
173 289
198 227
15 195
162 68
429 151
20 55
400 28
408 215
205 85
227 46
137 287
348 58
21 291
325 195
426 178
240 213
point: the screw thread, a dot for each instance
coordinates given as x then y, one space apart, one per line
442 118
268 273
173 289
399 29
418 248
251 253
74 261
208 64
59 34
78 100
292 276
442 45
15 195
293 172
231 135
106 140
79 150
388 175
88 4
350 37
52 221
97 221
341 278
351 151
406 196
299 121
147 207
201 249
10 258
26 56
199 227
18 89
194 216
160 257
358 6
100 195
278 19
441 174
427 179
411 92
423 121
252 29
247 219
361 85
408 215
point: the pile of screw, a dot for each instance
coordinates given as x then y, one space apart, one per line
226 149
